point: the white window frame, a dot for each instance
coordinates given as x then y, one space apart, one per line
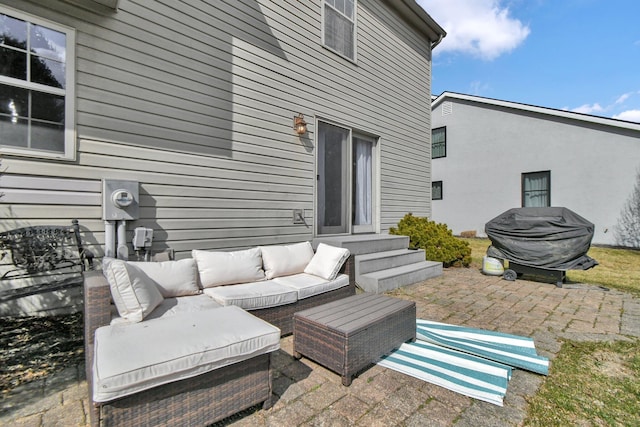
68 92
328 3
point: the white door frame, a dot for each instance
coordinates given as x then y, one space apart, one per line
348 185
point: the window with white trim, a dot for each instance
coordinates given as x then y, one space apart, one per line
339 27
36 86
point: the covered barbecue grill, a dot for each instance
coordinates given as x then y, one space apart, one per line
542 242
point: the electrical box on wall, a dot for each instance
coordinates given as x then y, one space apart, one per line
142 238
120 200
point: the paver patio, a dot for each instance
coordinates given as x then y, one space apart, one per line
309 395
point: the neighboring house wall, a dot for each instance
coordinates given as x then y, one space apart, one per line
195 100
592 161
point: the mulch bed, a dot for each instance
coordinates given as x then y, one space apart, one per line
34 347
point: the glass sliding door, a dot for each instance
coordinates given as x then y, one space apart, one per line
346 181
333 179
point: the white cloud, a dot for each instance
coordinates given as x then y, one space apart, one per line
623 97
588 109
629 115
482 28
477 87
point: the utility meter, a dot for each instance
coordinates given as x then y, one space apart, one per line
119 200
122 198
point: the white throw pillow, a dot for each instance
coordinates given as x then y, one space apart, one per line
327 261
228 268
134 293
285 260
173 278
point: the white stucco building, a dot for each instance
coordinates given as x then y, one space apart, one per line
491 155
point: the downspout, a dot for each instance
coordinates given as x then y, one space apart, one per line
436 43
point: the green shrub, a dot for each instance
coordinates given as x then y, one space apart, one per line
437 240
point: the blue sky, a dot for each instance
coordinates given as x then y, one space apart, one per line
577 55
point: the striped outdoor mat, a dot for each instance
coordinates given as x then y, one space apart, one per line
473 362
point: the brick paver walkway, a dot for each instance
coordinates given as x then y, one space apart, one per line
307 394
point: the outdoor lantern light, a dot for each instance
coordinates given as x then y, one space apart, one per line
299 125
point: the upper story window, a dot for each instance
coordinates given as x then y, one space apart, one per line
439 143
36 86
536 189
339 27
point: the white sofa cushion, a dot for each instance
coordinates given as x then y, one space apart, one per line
327 261
172 306
284 260
228 268
173 278
133 292
253 296
308 285
161 351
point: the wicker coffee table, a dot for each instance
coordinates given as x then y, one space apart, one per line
350 334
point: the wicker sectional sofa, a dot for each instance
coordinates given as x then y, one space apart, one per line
196 356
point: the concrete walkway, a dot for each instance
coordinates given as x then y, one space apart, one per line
307 394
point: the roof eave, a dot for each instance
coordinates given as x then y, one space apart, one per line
416 15
537 109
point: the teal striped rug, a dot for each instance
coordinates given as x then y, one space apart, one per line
473 362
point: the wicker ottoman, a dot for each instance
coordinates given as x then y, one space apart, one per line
350 334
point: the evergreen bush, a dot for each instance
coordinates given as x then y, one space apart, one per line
436 239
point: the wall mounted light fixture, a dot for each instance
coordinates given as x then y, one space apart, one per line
299 125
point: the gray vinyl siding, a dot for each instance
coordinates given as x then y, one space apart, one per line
195 100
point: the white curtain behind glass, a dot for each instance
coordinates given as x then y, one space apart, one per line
438 143
363 182
536 190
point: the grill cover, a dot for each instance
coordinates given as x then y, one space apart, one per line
553 238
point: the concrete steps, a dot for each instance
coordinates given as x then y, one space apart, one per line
377 261
359 244
383 262
393 278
